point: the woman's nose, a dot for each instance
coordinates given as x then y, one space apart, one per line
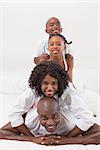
50 88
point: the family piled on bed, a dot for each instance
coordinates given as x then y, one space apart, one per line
51 111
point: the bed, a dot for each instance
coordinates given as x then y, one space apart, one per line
12 83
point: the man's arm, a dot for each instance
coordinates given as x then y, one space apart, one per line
22 129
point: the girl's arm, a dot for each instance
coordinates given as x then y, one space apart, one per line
70 63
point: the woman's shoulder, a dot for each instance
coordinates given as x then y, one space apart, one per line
29 92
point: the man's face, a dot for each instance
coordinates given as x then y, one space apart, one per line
49 85
53 26
49 117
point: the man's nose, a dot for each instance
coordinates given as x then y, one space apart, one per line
50 122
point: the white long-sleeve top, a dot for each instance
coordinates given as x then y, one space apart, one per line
72 107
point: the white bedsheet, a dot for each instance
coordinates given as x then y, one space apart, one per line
19 145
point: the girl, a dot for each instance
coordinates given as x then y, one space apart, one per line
57 47
49 79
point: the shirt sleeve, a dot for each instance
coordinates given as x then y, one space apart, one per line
84 117
69 49
24 104
41 48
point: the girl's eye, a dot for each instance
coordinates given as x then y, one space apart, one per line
59 44
51 44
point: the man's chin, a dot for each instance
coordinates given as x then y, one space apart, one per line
51 130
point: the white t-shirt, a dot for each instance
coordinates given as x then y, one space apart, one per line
72 107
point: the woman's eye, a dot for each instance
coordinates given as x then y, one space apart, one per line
45 83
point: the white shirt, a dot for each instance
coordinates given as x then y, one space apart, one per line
33 124
72 106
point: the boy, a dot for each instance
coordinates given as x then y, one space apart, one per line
52 127
53 26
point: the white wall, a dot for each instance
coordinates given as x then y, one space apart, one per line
23 23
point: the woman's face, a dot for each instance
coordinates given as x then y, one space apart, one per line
56 46
49 85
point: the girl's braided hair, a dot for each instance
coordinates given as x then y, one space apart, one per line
54 70
65 41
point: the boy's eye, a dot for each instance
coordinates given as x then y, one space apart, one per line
57 24
51 24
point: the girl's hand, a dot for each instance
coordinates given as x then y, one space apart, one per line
40 59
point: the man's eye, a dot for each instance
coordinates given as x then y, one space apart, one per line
55 116
44 117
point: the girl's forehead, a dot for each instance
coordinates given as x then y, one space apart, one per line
55 38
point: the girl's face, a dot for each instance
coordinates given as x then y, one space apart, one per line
56 46
49 86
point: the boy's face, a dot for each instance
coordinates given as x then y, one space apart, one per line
49 86
56 46
49 117
53 26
